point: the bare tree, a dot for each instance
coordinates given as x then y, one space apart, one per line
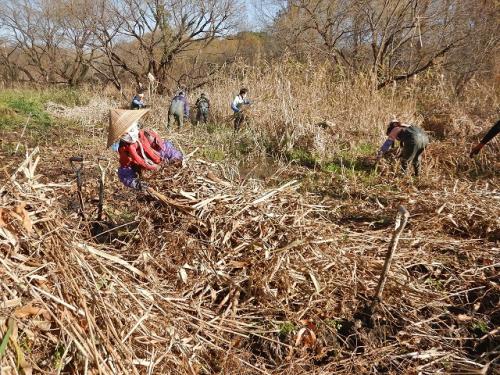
47 41
478 55
146 36
394 39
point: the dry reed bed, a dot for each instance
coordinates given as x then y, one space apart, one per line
246 279
243 279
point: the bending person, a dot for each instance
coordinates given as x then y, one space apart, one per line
413 140
239 101
139 150
138 101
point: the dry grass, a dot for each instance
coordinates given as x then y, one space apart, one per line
254 276
250 281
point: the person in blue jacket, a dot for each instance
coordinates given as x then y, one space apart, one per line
138 101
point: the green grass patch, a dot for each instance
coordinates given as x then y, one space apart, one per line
18 107
213 154
67 97
5 339
480 327
302 157
57 357
286 328
31 110
365 149
334 324
435 284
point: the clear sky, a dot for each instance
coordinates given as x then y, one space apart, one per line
259 13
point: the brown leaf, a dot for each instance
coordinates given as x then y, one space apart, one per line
29 310
463 318
306 337
24 216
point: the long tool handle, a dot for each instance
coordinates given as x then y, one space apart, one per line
401 220
78 173
101 199
103 169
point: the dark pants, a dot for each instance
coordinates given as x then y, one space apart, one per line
413 140
201 116
239 118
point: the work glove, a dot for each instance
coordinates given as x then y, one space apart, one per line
115 146
141 186
475 150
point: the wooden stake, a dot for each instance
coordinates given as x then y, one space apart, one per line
401 220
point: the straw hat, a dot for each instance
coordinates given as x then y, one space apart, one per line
120 122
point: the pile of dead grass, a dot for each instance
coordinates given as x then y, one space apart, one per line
227 276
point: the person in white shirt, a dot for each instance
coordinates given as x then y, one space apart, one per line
237 106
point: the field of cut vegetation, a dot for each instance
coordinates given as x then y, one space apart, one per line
266 252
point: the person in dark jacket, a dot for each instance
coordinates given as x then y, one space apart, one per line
179 109
495 129
203 107
413 141
138 101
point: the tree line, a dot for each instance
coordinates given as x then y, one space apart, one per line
185 42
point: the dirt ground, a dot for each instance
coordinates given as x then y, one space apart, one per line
243 271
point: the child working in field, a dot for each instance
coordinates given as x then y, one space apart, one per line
139 150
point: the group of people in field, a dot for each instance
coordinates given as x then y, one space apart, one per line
179 108
141 150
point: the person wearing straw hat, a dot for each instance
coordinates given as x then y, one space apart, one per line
413 140
179 109
138 149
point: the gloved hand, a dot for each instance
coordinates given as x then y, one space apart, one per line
475 150
115 146
176 163
142 186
